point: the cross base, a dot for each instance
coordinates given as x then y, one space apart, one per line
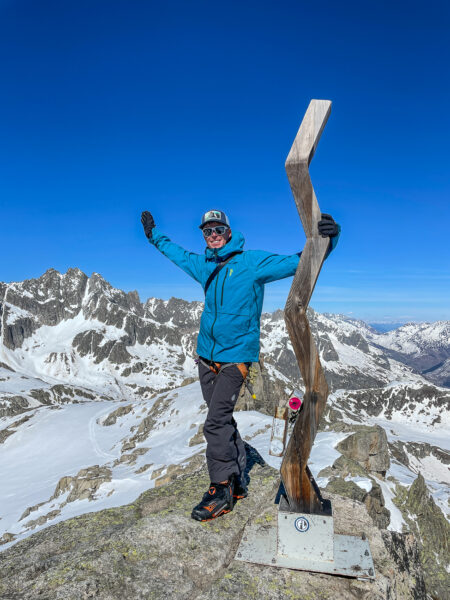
306 542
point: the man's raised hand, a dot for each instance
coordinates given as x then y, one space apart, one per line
148 223
328 226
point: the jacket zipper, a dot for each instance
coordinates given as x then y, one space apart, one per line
215 318
223 285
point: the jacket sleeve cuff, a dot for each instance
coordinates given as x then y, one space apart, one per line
155 236
333 242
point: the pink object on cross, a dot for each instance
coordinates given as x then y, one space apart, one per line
295 403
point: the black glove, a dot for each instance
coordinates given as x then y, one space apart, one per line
328 226
148 222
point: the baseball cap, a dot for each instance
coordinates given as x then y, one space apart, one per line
214 215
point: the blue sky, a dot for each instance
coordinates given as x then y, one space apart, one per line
112 107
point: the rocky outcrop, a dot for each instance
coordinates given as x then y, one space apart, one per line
132 457
340 481
82 485
369 447
198 438
144 429
432 530
373 499
52 396
398 399
263 389
153 549
5 433
404 550
13 404
116 414
365 454
5 539
403 451
376 508
61 394
44 301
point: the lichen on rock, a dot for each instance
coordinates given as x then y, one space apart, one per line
432 530
153 549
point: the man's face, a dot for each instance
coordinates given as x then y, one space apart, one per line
214 240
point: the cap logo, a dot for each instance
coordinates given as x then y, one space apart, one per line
212 214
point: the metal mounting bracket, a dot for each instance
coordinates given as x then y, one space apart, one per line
306 542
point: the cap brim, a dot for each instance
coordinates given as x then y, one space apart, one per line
213 221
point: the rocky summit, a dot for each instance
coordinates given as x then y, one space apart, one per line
102 450
153 549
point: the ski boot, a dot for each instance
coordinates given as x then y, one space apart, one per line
218 500
240 489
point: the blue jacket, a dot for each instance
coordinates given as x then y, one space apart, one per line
230 323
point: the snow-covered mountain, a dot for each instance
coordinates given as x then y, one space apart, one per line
79 331
82 332
99 401
423 346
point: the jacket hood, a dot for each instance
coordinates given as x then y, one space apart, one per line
236 243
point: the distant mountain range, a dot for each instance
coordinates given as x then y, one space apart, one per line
76 330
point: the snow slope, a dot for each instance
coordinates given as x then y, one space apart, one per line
59 441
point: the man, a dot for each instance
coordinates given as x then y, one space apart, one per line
228 341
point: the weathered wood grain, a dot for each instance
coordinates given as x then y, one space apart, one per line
301 493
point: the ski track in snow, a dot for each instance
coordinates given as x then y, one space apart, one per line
92 435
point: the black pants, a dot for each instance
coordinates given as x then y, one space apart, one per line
225 451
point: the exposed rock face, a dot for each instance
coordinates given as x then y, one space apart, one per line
153 549
13 405
267 388
329 333
5 433
404 550
84 484
419 450
369 448
100 325
44 301
373 499
432 530
439 374
341 483
59 394
374 502
348 489
347 466
133 350
115 414
423 346
423 403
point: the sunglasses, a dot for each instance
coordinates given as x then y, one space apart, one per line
219 230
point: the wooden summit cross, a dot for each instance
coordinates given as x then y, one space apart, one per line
301 490
304 537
